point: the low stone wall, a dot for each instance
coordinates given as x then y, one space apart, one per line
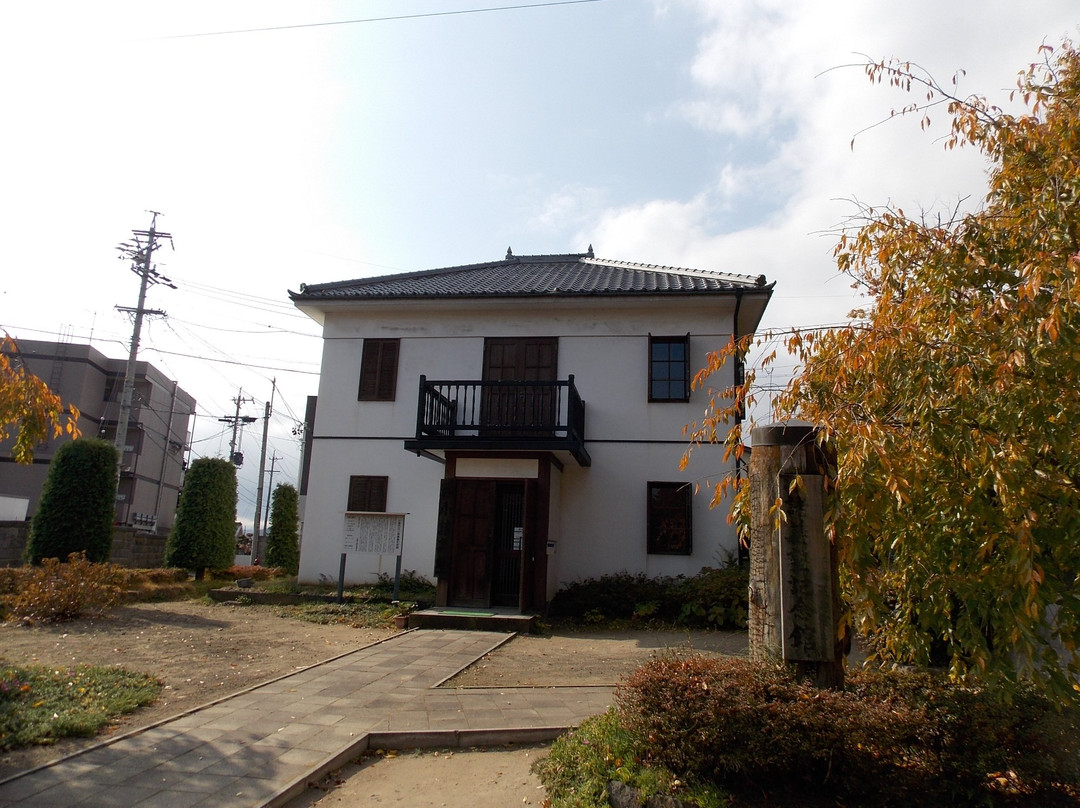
13 536
130 547
136 548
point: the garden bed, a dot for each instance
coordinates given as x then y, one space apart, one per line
226 594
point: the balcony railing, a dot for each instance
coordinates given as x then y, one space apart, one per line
539 415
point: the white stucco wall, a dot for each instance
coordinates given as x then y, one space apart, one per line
598 513
413 489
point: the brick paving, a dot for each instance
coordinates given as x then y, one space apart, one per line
260 747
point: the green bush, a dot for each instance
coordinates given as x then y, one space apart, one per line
577 770
54 591
714 598
203 535
411 586
896 739
283 540
78 503
614 597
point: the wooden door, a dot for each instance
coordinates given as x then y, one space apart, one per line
524 408
472 537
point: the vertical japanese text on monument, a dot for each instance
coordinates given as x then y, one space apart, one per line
374 532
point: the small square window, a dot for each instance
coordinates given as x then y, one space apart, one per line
378 370
669 368
367 493
669 519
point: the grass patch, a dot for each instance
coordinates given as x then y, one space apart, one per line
356 615
577 770
40 705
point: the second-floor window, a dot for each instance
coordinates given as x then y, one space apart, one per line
378 370
669 368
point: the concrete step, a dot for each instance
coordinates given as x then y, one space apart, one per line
471 620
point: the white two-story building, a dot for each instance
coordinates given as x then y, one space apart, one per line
527 415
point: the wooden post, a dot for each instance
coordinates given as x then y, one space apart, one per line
794 585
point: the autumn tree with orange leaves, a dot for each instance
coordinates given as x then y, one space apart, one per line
28 409
952 401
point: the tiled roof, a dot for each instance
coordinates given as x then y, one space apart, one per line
577 274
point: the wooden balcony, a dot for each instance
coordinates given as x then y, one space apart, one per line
500 416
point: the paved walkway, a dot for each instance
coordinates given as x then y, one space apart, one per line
261 746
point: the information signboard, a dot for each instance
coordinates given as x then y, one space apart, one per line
369 532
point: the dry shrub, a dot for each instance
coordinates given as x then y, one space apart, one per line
57 591
253 572
159 575
10 580
910 739
157 584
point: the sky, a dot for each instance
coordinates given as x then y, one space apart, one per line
286 143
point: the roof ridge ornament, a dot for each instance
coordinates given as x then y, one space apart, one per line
509 253
589 253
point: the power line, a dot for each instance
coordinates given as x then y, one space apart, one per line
268 329
380 19
233 295
232 362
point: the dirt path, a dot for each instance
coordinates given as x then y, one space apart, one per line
442 778
587 657
200 652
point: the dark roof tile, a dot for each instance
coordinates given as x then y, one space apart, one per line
535 275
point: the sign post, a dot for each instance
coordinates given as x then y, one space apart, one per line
375 532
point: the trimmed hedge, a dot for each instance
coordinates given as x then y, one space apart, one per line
203 536
714 598
889 739
283 539
78 503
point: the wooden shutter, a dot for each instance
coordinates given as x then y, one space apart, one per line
367 493
378 370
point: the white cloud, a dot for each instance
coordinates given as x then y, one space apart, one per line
761 72
565 206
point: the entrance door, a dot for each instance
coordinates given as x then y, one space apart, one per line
520 409
470 567
490 543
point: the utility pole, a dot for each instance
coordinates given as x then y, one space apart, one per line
266 516
140 252
236 456
262 472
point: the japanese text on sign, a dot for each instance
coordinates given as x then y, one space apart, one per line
374 532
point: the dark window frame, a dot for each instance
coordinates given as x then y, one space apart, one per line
378 370
667 372
367 493
669 523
